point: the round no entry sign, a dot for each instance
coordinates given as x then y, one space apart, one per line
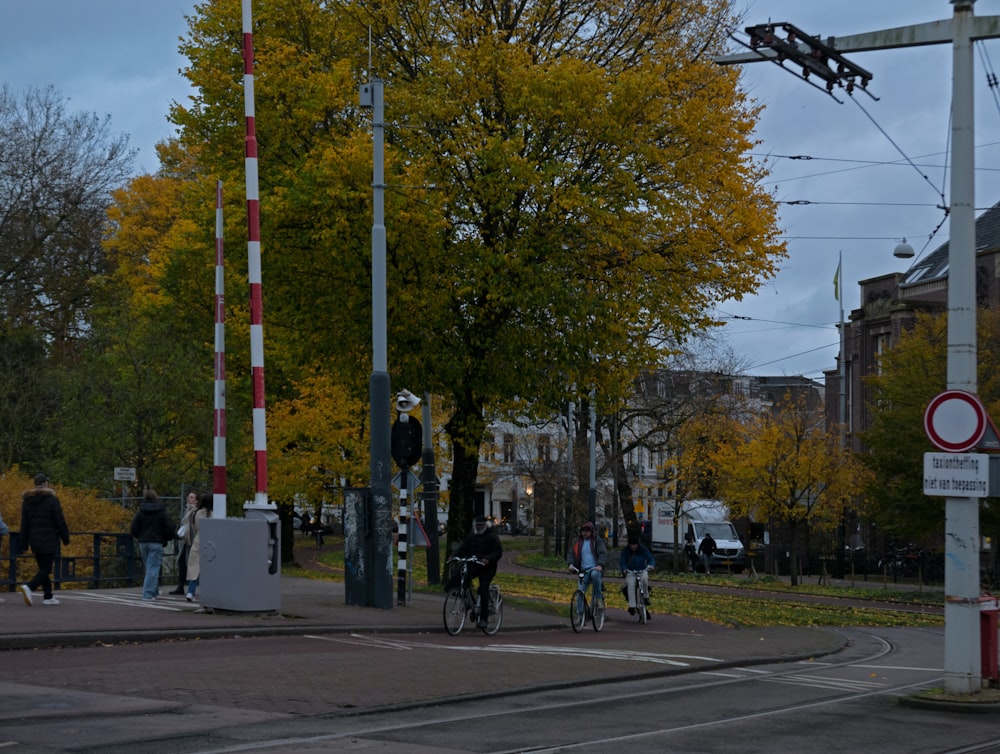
955 421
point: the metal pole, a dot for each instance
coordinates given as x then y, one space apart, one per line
962 667
254 266
592 448
379 394
219 432
429 482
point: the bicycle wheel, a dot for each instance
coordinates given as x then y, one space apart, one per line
578 610
598 613
640 608
454 612
495 615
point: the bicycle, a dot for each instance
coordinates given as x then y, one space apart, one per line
642 593
580 611
462 603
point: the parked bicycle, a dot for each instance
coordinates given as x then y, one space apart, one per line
463 603
642 593
581 611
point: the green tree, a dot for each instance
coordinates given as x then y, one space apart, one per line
910 374
784 466
567 190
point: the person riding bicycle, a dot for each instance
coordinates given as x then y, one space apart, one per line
636 557
483 544
589 556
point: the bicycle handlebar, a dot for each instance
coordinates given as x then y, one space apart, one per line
471 559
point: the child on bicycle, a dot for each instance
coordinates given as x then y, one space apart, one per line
589 556
636 557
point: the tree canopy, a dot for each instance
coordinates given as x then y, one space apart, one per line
567 191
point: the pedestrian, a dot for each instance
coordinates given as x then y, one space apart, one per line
691 551
193 538
152 528
483 544
182 545
42 527
707 549
635 562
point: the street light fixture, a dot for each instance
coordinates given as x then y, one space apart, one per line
903 250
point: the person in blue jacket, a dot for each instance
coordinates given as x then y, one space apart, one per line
636 557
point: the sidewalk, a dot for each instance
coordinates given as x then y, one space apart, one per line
85 617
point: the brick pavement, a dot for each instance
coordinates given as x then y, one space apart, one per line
348 654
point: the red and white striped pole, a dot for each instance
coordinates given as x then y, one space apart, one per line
219 447
253 253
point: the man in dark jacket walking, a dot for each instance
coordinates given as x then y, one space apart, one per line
42 527
153 528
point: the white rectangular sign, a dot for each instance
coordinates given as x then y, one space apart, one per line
124 474
956 474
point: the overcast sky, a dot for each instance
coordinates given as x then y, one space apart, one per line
119 57
866 195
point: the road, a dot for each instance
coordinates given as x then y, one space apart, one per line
238 695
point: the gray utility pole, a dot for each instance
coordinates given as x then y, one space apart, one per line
379 513
962 666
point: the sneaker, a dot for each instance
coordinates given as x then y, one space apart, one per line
26 591
481 624
50 601
189 597
148 599
631 611
176 591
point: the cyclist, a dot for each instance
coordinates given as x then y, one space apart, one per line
636 557
483 544
589 556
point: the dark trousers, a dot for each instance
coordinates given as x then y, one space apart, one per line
182 568
485 576
43 577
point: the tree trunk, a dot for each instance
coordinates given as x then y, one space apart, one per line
793 552
465 428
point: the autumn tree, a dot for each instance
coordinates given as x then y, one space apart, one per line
675 413
783 466
910 374
566 190
56 177
143 395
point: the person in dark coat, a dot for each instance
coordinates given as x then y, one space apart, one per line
707 549
484 544
152 528
42 527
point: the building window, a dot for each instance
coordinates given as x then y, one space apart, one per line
544 448
508 448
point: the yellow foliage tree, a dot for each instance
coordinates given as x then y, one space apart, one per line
317 438
783 466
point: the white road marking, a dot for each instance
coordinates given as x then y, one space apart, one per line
553 651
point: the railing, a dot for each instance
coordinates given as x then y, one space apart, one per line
113 561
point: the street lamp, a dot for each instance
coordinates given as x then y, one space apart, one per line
903 250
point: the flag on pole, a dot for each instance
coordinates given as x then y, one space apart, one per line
836 281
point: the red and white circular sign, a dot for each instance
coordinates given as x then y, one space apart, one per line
955 421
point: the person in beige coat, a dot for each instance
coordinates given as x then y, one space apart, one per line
192 541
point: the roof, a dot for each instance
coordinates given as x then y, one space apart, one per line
935 265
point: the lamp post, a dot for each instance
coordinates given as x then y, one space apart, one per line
380 464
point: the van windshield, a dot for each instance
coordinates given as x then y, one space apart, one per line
721 530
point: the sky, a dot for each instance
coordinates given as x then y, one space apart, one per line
865 194
877 173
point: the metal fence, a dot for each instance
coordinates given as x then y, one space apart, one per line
112 562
